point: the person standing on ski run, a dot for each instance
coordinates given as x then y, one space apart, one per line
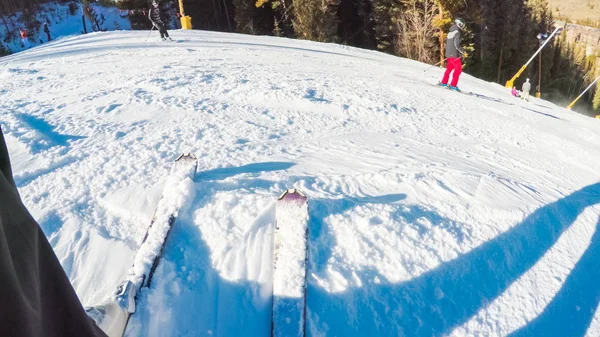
453 53
526 90
24 38
156 19
47 31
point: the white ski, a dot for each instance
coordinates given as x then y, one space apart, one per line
113 314
289 265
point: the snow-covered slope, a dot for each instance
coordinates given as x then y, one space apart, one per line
60 23
432 212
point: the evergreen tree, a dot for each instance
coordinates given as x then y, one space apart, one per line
491 41
385 14
355 26
283 17
596 102
252 17
3 50
211 14
543 25
316 19
91 15
507 38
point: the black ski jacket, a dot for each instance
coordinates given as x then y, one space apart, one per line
154 16
36 297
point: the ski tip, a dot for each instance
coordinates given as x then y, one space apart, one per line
188 155
292 194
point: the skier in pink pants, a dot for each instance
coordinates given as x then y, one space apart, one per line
453 53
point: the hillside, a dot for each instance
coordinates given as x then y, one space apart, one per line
576 9
431 212
62 21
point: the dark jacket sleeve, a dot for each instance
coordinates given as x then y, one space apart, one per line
5 168
36 297
458 41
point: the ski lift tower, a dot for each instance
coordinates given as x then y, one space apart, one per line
186 20
583 93
510 83
541 37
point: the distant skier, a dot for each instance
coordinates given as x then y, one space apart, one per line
47 31
526 90
24 38
37 298
156 18
453 53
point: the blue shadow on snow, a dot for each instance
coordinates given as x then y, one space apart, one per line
432 304
54 138
216 301
311 94
224 173
572 309
446 297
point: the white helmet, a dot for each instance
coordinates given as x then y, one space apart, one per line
460 23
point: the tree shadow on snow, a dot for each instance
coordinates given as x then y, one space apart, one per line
572 309
190 297
51 137
436 302
224 173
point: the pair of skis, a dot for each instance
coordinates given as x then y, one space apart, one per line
289 254
439 85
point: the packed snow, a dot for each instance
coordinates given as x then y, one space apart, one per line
431 212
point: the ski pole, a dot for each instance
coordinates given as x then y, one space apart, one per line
149 33
435 65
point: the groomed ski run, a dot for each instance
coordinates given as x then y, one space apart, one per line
431 212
